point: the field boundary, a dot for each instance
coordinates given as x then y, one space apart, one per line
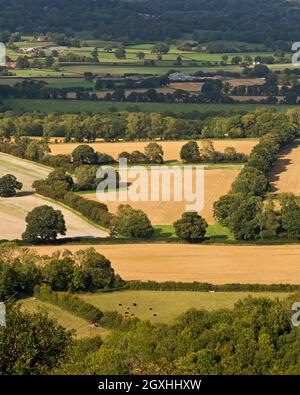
72 211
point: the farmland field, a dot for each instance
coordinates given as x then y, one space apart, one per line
167 305
285 174
217 264
14 210
76 106
69 321
171 148
217 182
25 171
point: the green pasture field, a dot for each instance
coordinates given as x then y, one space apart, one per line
75 106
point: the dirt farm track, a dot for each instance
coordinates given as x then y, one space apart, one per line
215 264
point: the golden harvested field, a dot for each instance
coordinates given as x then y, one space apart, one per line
285 176
245 81
214 264
171 148
217 182
14 210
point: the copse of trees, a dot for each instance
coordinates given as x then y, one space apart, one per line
9 185
131 223
153 155
86 128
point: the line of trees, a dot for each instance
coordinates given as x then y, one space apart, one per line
85 270
110 127
245 211
59 186
141 126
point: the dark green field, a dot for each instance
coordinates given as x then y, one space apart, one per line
75 106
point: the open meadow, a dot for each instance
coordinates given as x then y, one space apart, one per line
216 264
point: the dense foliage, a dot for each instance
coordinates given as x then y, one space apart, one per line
31 344
9 185
154 20
244 209
22 270
58 186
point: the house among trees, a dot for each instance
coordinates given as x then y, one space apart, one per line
182 77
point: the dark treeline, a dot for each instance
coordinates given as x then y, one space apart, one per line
154 20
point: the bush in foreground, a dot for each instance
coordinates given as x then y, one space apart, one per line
31 343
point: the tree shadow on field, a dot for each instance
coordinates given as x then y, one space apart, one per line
281 164
24 193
